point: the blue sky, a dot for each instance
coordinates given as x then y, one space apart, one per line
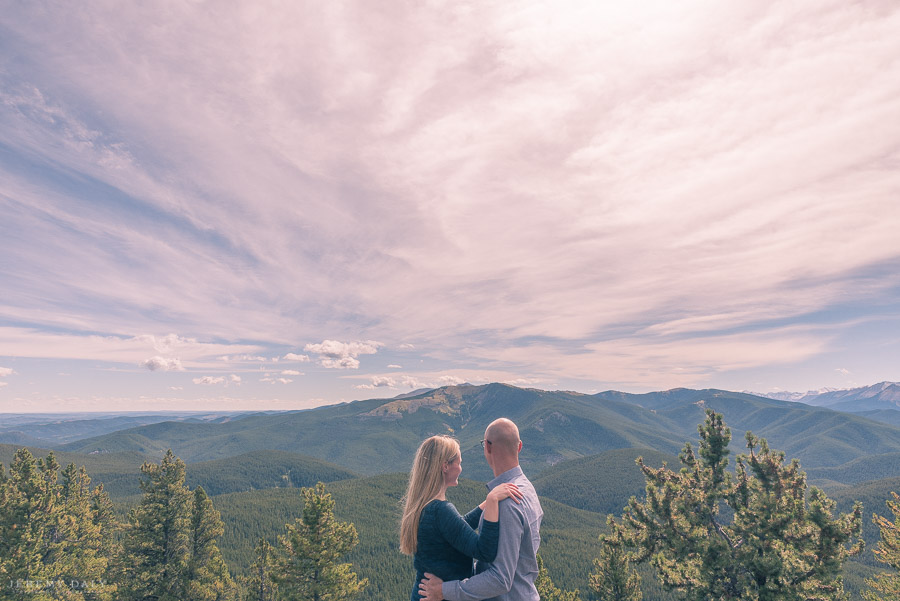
264 206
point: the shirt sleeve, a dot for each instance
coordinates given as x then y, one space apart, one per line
498 578
473 517
465 539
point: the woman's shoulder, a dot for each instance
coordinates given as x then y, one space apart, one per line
440 506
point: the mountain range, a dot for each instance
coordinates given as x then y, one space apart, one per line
376 436
884 395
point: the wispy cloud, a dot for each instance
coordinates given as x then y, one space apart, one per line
652 194
29 342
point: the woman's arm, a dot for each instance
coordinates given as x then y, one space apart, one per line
465 539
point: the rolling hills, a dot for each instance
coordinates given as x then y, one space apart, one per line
381 435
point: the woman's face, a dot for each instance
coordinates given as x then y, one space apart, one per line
452 471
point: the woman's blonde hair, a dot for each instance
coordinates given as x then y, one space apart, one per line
425 482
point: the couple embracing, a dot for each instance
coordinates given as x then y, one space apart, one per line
502 534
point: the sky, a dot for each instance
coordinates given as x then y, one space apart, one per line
279 205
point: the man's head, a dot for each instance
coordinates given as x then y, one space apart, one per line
502 445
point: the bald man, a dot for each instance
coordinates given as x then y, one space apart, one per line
510 577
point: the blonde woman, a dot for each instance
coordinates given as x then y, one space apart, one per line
441 541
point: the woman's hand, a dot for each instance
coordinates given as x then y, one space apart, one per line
491 505
503 491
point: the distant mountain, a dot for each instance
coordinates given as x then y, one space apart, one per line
381 435
49 430
414 393
798 397
881 396
19 438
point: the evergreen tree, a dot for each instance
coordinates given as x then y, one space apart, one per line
170 547
260 586
308 568
52 545
614 578
158 545
547 591
886 586
208 578
756 534
103 514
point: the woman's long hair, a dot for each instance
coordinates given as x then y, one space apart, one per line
425 482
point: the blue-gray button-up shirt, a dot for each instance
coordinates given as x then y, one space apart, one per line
510 577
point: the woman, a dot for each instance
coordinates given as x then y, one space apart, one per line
441 541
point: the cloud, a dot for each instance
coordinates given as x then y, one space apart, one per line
6 371
393 366
133 350
276 380
450 380
246 358
725 184
163 364
524 382
2 384
291 372
342 355
378 382
412 382
214 380
842 371
296 357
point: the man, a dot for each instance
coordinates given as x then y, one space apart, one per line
510 577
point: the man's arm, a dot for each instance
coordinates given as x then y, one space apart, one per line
498 578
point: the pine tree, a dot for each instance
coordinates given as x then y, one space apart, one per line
157 544
308 567
103 514
260 586
548 591
207 577
614 578
52 546
886 586
758 534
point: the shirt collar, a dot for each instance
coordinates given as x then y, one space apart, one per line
507 476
